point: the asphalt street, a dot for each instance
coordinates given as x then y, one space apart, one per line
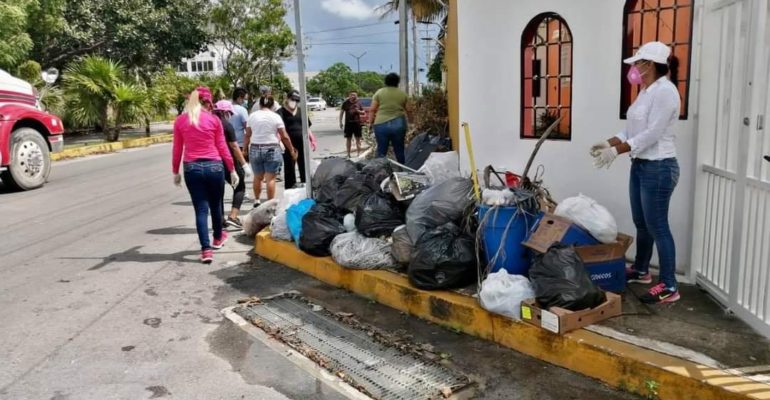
102 297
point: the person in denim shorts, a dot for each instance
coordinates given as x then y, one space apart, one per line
265 131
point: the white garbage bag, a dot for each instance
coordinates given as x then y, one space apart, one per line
440 167
291 197
498 198
502 293
279 229
259 217
591 216
355 251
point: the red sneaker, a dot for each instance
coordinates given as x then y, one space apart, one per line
218 244
660 294
634 276
207 256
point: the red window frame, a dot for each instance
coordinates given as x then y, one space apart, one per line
549 90
667 21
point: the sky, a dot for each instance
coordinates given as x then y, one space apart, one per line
335 29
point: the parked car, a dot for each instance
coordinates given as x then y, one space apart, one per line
366 103
28 135
316 104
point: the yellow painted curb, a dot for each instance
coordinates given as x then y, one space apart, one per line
619 364
110 147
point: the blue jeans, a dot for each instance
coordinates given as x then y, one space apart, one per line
391 132
652 184
205 181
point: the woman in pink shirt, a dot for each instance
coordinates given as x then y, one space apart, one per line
199 140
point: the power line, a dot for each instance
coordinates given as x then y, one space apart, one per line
360 36
348 43
350 27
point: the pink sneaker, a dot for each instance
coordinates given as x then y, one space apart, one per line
218 244
660 294
207 256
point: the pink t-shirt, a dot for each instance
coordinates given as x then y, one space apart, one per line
205 141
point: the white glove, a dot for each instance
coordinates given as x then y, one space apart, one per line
605 157
177 180
247 171
234 179
598 147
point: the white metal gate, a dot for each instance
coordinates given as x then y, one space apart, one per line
731 255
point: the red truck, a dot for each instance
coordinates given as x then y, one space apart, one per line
28 135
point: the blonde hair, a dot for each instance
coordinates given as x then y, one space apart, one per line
193 108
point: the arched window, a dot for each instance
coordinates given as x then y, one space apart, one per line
546 79
667 21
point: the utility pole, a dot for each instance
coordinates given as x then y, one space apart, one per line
303 97
358 60
403 43
416 77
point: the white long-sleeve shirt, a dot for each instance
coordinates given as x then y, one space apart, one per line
650 122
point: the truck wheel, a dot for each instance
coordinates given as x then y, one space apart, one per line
30 161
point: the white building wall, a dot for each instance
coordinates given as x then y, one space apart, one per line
490 101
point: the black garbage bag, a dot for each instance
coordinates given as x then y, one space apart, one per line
420 147
378 215
330 168
437 205
353 191
319 227
444 258
560 279
329 189
379 169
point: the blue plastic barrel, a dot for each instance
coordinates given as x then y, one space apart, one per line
511 254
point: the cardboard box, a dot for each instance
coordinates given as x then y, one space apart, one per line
606 263
559 320
605 252
552 229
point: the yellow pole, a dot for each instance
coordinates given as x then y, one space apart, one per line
474 174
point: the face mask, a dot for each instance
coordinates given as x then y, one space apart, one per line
292 104
634 76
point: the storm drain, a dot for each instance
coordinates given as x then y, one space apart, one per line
377 369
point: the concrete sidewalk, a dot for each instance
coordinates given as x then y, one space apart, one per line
687 350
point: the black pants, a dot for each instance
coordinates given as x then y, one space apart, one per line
240 191
290 172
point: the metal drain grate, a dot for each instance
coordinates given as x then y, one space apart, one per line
384 372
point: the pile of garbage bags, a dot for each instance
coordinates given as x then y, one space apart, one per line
356 220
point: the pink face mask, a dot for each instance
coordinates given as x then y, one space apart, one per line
634 76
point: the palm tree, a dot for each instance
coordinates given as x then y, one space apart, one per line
98 93
422 10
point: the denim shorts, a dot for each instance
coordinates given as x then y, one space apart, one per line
265 159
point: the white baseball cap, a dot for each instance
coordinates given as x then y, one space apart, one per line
656 52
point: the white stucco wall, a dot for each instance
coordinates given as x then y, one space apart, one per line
490 101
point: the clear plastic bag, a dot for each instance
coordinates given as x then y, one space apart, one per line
591 216
502 293
402 245
279 229
355 251
259 217
440 167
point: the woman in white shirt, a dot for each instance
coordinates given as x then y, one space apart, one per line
264 132
650 139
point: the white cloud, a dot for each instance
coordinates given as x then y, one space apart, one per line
352 9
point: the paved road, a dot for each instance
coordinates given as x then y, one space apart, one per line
102 297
